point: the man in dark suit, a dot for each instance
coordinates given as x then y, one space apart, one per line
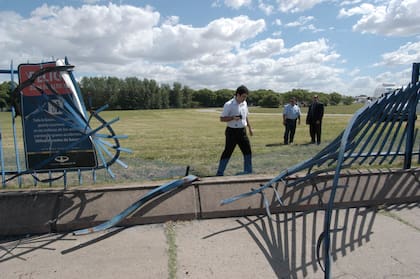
314 119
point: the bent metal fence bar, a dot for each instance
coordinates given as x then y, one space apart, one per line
59 134
379 133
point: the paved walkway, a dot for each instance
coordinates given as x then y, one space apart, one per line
371 244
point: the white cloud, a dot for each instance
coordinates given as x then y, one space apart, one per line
302 23
315 51
352 2
364 9
311 28
266 8
276 34
216 4
354 72
233 29
359 84
266 64
405 55
116 34
127 41
399 78
277 22
397 18
177 43
302 20
264 49
295 6
236 4
91 1
89 33
172 20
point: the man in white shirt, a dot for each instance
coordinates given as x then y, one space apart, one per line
291 115
235 114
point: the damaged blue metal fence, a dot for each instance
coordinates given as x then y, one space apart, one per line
382 132
70 113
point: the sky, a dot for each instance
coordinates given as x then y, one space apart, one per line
349 47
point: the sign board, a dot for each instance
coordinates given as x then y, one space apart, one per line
50 142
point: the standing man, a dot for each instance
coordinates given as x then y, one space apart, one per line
235 114
314 119
291 115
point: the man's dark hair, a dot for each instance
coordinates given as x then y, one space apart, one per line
242 90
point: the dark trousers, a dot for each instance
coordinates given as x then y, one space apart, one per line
289 133
236 136
315 132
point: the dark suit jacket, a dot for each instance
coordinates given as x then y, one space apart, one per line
315 113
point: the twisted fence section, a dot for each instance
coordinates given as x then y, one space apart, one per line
71 138
380 133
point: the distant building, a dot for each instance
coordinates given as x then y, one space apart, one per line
384 89
361 99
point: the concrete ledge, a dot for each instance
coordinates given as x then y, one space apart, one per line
56 210
367 188
26 212
82 208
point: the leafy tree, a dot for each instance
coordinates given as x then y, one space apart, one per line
113 86
255 97
301 95
175 97
133 93
270 101
164 92
204 98
156 97
5 91
95 89
222 96
334 99
187 94
348 100
145 91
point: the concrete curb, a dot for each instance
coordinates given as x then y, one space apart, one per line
56 210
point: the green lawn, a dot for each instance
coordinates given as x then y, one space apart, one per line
165 142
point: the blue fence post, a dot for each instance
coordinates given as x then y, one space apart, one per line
415 73
411 118
3 173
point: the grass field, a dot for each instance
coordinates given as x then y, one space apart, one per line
165 142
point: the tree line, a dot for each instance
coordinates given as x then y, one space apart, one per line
132 93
